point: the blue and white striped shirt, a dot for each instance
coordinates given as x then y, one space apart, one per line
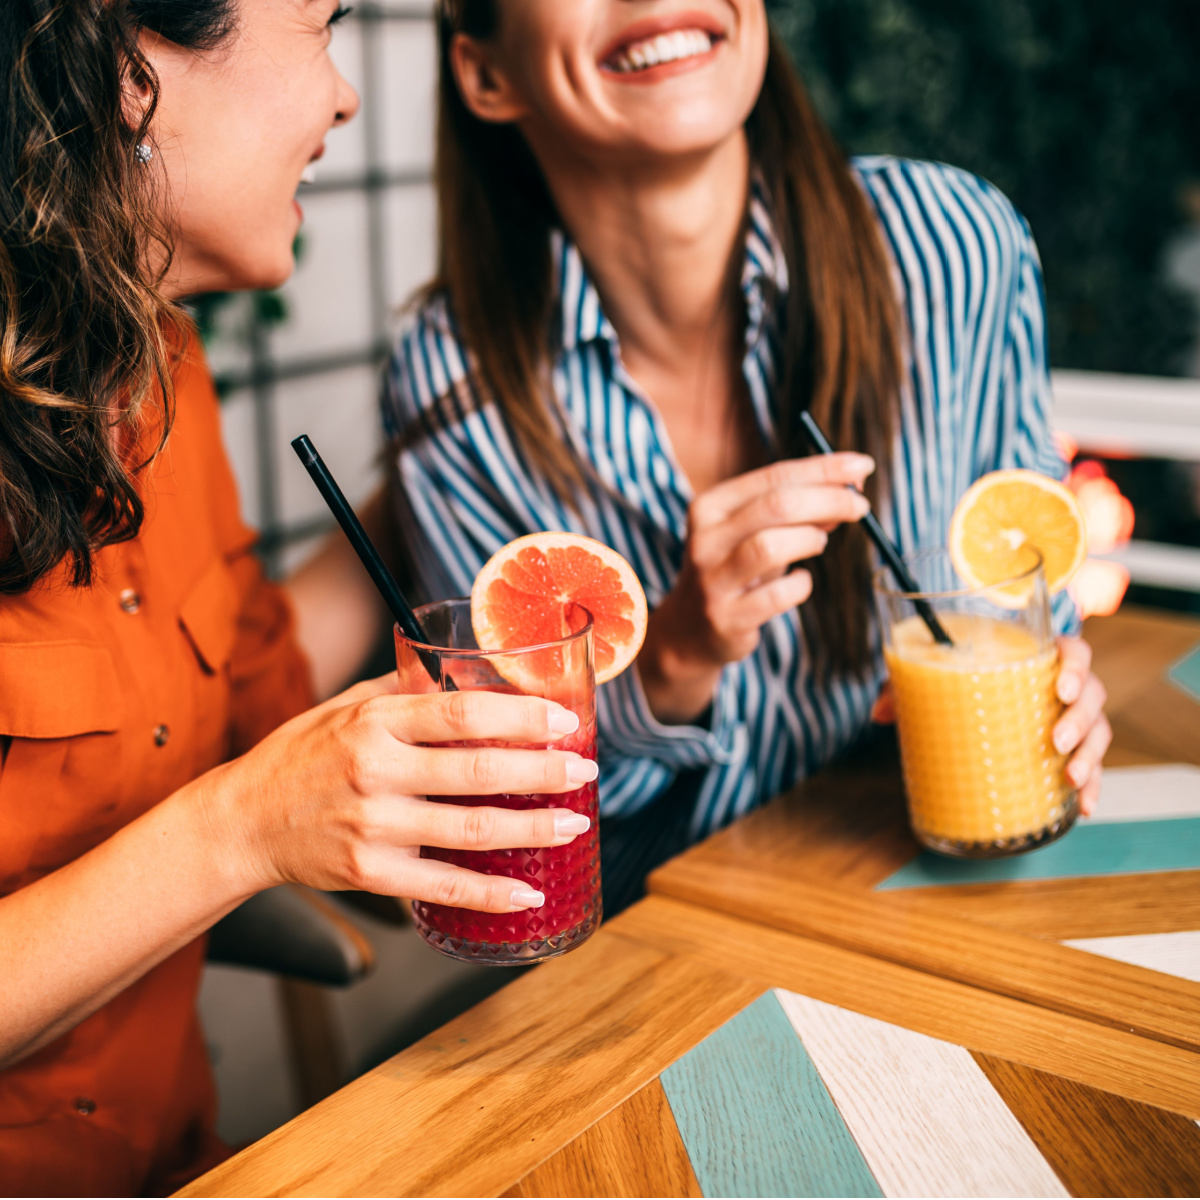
976 398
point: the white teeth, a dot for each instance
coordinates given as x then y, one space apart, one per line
665 48
310 174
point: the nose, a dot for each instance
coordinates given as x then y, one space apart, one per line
348 101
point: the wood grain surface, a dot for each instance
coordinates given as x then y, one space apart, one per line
1058 909
1111 1059
1100 1144
757 1118
1172 953
928 1121
473 1108
1039 972
1132 651
635 1150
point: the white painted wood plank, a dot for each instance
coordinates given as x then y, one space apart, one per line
1129 414
1172 953
925 1116
1159 564
1149 793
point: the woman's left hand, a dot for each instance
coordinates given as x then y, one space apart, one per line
1083 730
1083 727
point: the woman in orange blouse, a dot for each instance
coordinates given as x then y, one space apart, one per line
159 761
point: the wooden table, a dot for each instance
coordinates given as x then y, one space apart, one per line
1153 720
767 1023
657 1060
812 864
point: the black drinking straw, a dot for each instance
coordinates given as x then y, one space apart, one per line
389 589
890 554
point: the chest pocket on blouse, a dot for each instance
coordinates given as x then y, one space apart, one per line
209 616
58 690
50 693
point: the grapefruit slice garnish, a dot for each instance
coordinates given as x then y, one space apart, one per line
539 588
1004 517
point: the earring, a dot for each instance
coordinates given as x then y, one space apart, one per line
144 152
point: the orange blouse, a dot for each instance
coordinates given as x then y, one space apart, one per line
179 657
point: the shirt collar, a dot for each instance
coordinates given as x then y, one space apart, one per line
764 269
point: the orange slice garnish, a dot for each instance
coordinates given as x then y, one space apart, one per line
1006 519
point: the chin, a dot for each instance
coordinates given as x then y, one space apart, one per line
684 124
260 273
686 136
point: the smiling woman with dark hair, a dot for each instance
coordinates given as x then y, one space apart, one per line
157 764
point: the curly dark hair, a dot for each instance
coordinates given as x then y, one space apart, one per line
87 340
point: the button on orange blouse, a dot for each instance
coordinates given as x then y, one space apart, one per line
179 656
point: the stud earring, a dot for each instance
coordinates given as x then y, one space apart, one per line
144 152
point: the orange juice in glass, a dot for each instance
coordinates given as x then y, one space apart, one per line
976 718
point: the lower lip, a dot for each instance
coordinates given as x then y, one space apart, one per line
665 70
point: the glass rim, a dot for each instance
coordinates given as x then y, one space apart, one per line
468 652
895 593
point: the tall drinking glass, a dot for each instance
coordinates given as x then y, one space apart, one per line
569 876
976 719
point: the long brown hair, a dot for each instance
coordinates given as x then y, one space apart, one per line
842 345
86 339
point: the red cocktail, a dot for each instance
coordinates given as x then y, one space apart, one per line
568 876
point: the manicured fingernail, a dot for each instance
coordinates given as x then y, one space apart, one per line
864 462
1069 687
582 770
562 720
863 505
526 897
1078 773
1064 738
570 824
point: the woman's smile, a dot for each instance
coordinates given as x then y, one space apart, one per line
658 47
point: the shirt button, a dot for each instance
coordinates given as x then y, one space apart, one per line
85 1107
162 735
130 601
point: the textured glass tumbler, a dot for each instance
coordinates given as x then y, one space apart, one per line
976 719
569 876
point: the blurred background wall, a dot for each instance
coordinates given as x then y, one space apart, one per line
1086 112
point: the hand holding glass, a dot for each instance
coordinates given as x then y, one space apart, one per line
976 719
568 876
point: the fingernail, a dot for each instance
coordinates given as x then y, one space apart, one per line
582 770
1068 688
562 720
1078 774
571 824
863 506
865 462
1064 738
526 897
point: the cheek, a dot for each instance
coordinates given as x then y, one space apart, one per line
239 218
242 225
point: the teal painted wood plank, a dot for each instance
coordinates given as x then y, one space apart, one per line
1186 673
756 1118
1107 848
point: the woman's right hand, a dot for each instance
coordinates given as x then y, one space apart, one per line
336 798
743 535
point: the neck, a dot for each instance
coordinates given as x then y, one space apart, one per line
660 242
